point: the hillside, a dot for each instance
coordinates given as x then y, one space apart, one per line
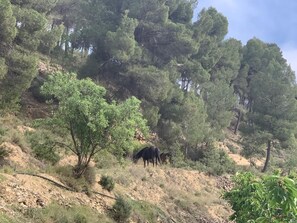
164 193
125 74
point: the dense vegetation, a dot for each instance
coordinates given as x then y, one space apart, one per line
267 199
192 82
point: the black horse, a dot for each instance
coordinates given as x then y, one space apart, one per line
148 154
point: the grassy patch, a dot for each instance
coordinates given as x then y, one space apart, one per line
2 178
146 212
7 169
5 219
105 160
59 214
43 146
65 175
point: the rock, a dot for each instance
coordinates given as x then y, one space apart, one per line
40 202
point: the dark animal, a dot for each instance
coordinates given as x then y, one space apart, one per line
165 157
148 154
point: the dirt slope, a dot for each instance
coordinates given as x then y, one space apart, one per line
184 195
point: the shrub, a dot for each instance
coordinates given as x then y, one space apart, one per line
3 152
107 183
43 146
90 175
178 159
59 214
79 218
5 219
217 162
66 176
105 159
146 212
121 210
270 198
2 131
232 148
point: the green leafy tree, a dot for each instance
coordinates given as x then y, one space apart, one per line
92 123
22 68
219 100
3 68
266 199
7 35
30 23
7 26
271 97
49 39
121 44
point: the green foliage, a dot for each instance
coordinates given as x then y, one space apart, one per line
217 162
43 146
90 175
105 160
59 214
184 120
185 73
233 149
121 210
266 199
65 174
145 211
49 39
6 219
107 183
3 152
3 68
220 100
153 11
22 68
270 91
92 123
7 23
151 113
121 44
149 82
31 23
183 13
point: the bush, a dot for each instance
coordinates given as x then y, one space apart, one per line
270 198
232 148
60 214
121 210
178 159
3 153
217 162
146 212
79 218
15 137
107 183
90 175
105 159
66 176
43 146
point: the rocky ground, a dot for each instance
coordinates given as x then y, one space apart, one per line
182 195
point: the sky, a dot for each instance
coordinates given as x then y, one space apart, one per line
272 21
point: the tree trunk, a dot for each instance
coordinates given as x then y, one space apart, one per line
66 41
267 156
237 122
80 167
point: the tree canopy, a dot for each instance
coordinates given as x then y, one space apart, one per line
193 82
92 122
